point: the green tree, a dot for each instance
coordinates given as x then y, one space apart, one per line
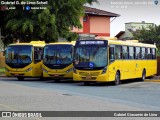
47 24
151 36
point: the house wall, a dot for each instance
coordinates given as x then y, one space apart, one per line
100 25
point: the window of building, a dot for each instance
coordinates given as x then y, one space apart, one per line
85 18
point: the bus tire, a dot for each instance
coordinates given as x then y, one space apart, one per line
143 75
117 78
20 78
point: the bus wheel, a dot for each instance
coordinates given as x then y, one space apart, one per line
20 78
117 79
143 75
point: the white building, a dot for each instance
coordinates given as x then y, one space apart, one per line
132 27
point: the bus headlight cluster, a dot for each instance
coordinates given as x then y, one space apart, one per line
44 70
104 70
69 70
29 69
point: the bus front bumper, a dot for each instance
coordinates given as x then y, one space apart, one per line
98 78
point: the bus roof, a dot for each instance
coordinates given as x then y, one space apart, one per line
127 42
131 43
63 43
34 43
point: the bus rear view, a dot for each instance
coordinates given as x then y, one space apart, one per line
90 60
57 61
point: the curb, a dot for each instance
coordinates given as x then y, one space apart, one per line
149 80
2 75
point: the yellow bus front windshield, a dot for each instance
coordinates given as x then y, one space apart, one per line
18 56
87 57
57 56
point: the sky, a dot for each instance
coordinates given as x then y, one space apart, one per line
130 11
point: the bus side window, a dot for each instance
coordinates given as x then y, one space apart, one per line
149 53
38 54
138 53
111 53
118 52
146 53
125 52
143 53
153 54
131 52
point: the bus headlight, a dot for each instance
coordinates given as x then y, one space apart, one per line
44 70
74 70
104 70
69 70
29 69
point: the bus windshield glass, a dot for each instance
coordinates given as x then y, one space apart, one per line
90 57
57 55
18 55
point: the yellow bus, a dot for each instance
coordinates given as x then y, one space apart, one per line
24 59
57 60
113 60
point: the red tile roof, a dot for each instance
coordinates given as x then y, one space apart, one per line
94 11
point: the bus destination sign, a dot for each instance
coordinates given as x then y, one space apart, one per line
91 42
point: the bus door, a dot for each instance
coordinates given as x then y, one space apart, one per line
37 67
115 59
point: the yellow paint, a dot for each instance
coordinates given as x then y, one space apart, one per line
58 73
129 69
36 67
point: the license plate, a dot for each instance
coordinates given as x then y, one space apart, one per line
16 74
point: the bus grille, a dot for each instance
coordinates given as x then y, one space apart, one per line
89 73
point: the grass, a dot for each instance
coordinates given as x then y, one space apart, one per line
2 70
